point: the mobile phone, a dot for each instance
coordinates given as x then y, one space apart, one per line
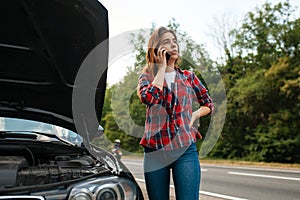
167 54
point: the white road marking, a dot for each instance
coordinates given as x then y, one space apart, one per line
220 195
205 193
132 163
265 176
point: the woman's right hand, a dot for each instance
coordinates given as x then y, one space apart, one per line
160 58
161 63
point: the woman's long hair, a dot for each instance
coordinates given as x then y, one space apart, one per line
153 45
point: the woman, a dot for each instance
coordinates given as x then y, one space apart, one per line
169 138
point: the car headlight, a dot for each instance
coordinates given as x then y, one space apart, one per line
108 188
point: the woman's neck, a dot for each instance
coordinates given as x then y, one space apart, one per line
171 66
170 69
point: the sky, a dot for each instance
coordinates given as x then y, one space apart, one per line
195 17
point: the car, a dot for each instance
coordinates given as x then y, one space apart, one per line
46 134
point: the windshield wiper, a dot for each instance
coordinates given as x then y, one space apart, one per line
33 135
13 134
50 135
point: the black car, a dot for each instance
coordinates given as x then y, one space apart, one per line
49 116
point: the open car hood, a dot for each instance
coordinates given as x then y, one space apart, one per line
43 44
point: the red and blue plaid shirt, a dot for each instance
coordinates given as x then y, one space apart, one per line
169 111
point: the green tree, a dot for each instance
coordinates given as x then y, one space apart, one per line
263 88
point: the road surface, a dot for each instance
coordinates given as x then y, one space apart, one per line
237 183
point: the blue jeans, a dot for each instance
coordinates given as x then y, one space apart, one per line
185 167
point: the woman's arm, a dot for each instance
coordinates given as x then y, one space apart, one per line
161 64
204 99
202 111
148 93
151 92
158 80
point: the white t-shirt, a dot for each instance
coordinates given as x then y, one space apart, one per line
170 77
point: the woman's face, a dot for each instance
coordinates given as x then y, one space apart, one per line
169 42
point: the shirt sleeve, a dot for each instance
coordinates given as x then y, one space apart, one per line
149 93
201 92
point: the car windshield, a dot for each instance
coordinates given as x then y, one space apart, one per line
25 126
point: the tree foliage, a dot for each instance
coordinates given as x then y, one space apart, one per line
263 88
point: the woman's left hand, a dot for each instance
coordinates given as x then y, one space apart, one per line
194 117
202 111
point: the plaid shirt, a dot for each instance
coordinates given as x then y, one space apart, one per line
169 111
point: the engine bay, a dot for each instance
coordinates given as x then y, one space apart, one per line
28 165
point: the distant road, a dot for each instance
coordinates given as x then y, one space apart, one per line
240 183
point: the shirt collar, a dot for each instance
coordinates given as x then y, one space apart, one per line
180 74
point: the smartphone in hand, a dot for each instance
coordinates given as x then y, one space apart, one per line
167 55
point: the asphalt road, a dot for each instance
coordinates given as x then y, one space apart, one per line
238 183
